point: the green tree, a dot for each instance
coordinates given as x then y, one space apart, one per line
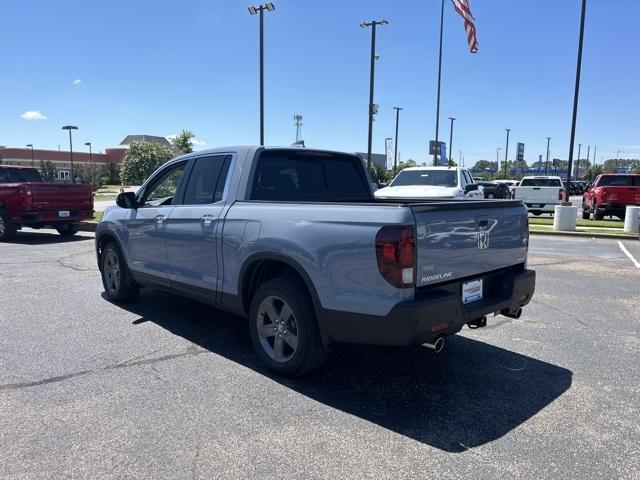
88 174
183 142
379 174
110 173
409 163
482 164
592 172
141 160
48 170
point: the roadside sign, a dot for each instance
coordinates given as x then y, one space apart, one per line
388 147
434 147
520 152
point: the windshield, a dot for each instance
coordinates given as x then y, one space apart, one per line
18 175
615 181
442 178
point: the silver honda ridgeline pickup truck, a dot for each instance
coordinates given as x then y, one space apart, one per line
294 239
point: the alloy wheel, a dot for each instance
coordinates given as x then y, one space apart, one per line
112 271
277 329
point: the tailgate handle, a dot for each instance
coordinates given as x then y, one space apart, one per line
536 188
482 220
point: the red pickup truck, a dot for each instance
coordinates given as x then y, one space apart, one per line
610 194
25 200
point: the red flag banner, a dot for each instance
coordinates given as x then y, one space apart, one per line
462 7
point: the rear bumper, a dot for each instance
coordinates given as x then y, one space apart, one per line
542 207
616 207
41 218
436 311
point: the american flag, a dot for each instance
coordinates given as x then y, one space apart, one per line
462 7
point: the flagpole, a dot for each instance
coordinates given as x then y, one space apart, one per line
435 154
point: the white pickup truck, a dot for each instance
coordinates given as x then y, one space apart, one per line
452 183
539 194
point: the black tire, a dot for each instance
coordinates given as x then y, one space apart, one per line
586 214
597 214
309 352
7 229
116 281
537 213
68 229
491 196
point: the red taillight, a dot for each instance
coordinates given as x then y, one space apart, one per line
396 255
513 193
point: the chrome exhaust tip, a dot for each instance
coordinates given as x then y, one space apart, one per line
436 346
515 314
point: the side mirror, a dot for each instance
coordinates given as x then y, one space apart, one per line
127 200
470 187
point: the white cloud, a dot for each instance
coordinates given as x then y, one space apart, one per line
33 115
77 81
198 142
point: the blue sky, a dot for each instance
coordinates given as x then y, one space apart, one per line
157 67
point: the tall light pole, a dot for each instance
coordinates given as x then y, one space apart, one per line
269 7
372 108
435 154
71 127
395 147
595 159
451 140
90 154
588 153
460 158
498 159
33 164
576 95
578 163
546 165
506 154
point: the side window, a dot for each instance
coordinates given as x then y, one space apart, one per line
207 180
164 188
467 176
463 179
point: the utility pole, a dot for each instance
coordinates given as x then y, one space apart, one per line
372 107
436 152
498 159
576 95
506 154
595 159
395 153
451 141
71 127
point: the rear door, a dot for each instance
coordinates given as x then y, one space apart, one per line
467 238
194 225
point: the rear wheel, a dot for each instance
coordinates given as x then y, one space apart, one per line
68 229
284 330
586 215
115 276
597 214
7 229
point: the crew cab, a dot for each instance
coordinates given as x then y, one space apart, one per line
432 182
540 194
610 194
27 201
294 240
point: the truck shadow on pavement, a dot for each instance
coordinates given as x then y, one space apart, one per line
33 237
470 394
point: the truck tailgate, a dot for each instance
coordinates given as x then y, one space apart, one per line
56 196
466 238
538 194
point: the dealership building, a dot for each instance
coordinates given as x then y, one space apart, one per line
26 157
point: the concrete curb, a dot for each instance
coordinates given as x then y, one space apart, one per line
583 234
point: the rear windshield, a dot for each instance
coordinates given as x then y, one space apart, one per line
444 178
618 181
287 175
17 175
540 182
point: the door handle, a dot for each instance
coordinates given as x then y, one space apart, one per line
207 219
160 219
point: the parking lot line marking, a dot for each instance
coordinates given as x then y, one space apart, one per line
628 254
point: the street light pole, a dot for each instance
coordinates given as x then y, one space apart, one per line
546 165
578 163
506 154
33 164
588 154
435 153
71 127
595 159
395 146
372 110
451 141
252 11
498 159
576 95
90 155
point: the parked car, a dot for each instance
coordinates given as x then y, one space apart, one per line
576 188
27 201
495 190
610 194
294 240
432 182
540 194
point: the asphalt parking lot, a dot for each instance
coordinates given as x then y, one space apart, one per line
169 388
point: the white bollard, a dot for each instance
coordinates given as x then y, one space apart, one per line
632 219
564 218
